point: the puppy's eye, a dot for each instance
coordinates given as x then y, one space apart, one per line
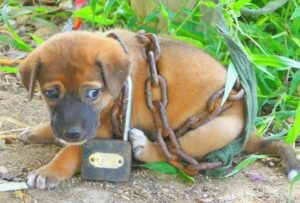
93 94
52 93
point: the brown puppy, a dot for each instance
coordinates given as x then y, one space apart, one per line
80 75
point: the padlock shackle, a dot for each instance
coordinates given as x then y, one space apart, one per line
128 110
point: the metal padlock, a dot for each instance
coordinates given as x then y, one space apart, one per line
109 159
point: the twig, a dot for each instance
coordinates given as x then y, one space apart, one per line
13 186
9 62
12 131
267 9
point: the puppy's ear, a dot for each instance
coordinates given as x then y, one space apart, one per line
29 70
114 70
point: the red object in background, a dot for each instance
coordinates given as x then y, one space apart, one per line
77 21
79 3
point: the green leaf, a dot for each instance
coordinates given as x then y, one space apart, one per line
162 167
8 69
296 178
189 40
296 13
209 4
295 83
185 177
21 44
230 80
108 7
296 40
240 4
275 61
293 182
295 129
86 14
166 168
37 39
246 162
93 5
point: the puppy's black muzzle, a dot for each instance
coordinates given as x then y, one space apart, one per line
73 120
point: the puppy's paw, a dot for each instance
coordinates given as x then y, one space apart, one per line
37 135
139 142
28 136
44 178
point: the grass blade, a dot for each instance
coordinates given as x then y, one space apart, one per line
166 168
246 162
275 61
295 129
8 69
294 181
162 167
37 39
23 45
230 80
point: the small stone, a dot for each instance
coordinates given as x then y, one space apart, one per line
3 170
271 163
23 20
142 192
207 200
205 188
24 170
44 32
255 178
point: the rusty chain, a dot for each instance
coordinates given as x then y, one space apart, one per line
172 151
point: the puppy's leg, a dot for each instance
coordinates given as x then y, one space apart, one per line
62 166
41 134
143 149
256 144
197 143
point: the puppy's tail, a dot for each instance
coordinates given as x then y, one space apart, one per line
286 152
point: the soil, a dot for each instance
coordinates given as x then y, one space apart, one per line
260 182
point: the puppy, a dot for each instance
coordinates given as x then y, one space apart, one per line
81 74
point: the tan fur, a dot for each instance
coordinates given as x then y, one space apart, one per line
192 77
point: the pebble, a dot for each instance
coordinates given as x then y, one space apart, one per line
142 192
208 200
205 188
23 20
3 170
44 32
271 163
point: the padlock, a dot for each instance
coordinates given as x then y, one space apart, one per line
109 159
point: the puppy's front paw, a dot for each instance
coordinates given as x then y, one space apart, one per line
139 142
44 178
37 135
28 136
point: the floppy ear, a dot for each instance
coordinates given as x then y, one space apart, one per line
29 71
114 70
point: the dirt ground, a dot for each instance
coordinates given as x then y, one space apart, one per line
258 183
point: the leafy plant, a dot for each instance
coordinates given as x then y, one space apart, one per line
246 162
166 168
293 182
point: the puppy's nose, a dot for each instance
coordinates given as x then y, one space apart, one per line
73 133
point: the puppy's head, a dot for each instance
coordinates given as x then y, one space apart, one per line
78 74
